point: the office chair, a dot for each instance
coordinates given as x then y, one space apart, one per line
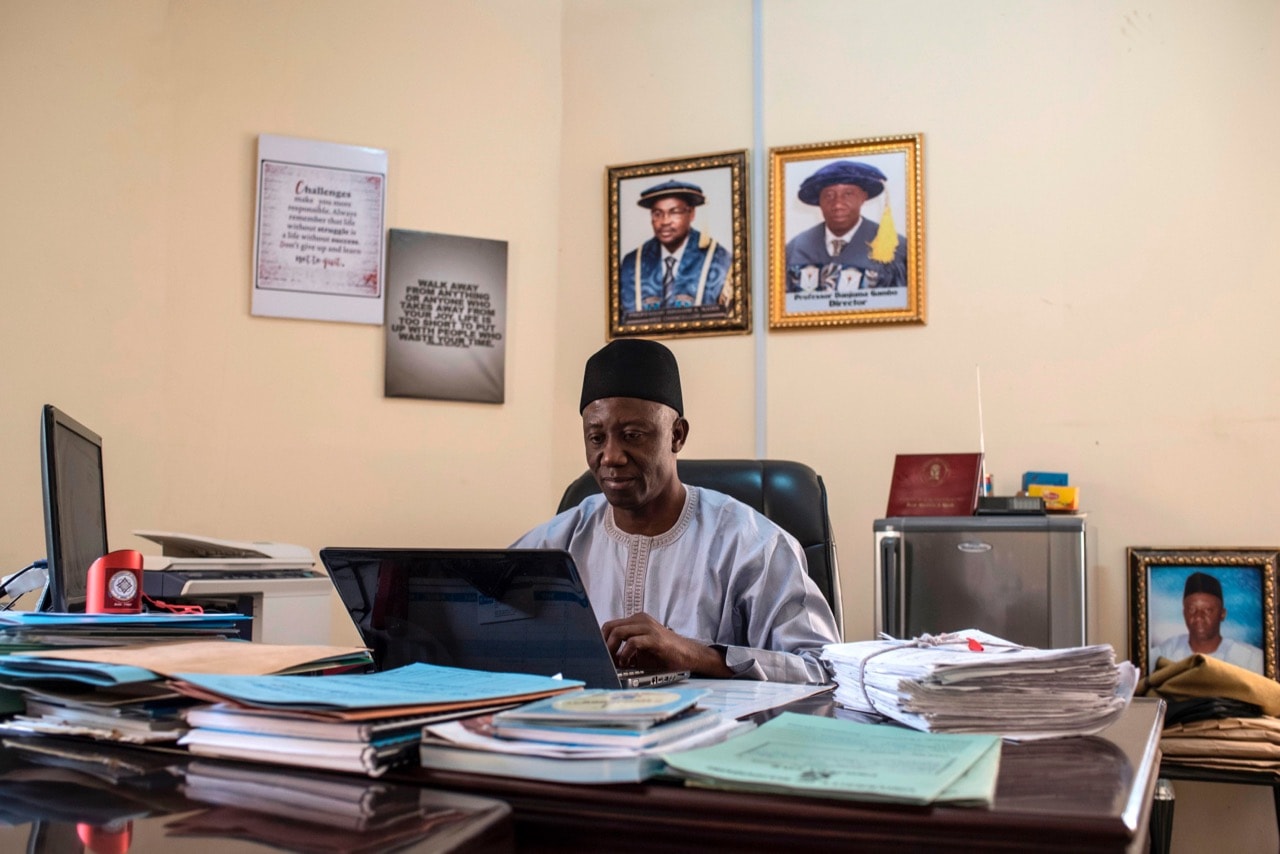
791 494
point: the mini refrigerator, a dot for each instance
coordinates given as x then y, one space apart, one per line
1019 577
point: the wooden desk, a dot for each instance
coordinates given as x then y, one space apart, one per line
1068 795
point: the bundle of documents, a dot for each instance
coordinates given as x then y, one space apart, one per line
598 736
123 694
350 722
975 682
825 757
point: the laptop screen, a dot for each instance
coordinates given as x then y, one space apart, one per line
507 610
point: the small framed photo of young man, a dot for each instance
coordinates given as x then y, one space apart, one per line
677 247
1220 603
846 233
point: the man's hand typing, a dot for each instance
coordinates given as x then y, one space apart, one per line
640 641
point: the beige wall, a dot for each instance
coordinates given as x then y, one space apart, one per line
1101 208
627 101
128 156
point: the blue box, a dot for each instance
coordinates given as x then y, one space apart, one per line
1046 478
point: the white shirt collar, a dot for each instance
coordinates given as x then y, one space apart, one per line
846 237
678 254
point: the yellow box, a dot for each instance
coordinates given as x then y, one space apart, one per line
1056 497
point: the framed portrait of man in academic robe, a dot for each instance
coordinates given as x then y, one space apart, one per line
846 237
677 247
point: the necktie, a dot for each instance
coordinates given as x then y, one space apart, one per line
837 245
669 276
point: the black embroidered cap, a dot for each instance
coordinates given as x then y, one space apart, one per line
1202 582
633 367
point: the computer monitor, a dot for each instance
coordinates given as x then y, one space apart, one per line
75 514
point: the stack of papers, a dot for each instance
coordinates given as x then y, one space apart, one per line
24 630
121 693
352 722
825 757
974 682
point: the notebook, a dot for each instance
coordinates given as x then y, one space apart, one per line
506 610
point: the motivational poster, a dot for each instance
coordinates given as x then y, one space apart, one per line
446 317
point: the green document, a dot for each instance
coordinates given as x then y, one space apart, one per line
828 757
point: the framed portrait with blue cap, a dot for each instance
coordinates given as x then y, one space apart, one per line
677 247
846 233
1219 603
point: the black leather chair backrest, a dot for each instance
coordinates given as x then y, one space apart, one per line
789 493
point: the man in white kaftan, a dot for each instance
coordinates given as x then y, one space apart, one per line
683 577
1203 610
1239 653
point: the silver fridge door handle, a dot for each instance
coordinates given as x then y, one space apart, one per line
973 546
893 607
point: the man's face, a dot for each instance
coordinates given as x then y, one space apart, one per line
631 448
841 206
1203 613
672 218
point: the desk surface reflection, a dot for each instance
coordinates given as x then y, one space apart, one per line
60 795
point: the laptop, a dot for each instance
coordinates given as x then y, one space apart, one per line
505 610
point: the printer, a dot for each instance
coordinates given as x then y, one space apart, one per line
275 583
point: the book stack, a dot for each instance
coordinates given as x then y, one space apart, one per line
121 693
596 736
364 723
974 682
363 746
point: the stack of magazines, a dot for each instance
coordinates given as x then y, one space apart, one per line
974 682
595 736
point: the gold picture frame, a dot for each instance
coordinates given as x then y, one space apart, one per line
870 191
697 208
1160 578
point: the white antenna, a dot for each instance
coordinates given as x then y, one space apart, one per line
982 440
